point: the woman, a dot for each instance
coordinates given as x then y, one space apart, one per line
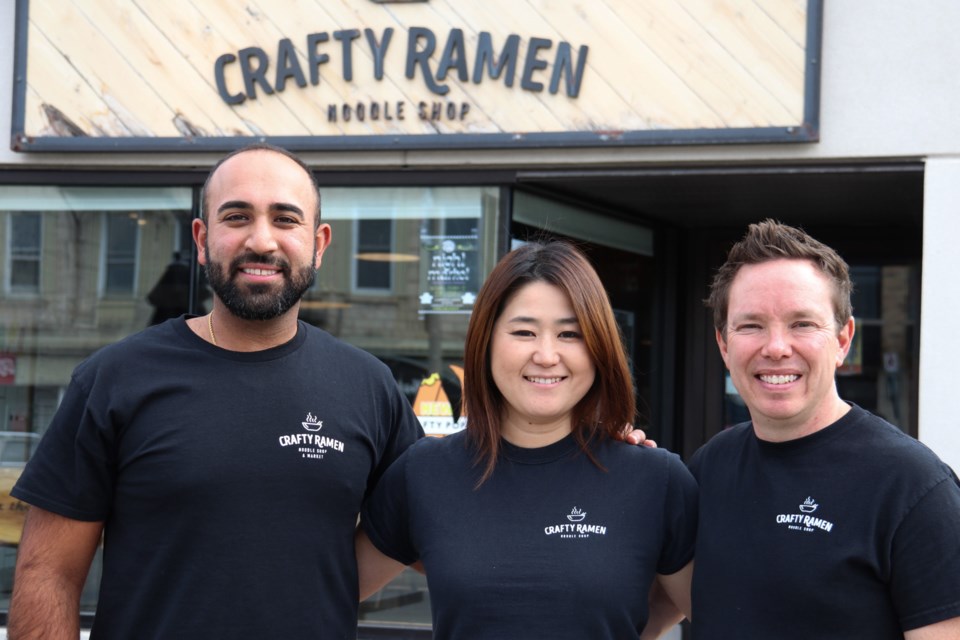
536 521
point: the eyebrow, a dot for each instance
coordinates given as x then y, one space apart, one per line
276 206
790 314
528 319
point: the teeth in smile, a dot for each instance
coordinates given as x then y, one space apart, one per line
779 379
260 272
545 380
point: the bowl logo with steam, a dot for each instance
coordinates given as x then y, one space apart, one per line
576 515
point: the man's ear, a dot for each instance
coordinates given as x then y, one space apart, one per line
722 343
845 339
324 235
199 229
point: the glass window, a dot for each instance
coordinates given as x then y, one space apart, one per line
117 260
120 252
91 245
879 371
24 251
622 252
424 251
374 257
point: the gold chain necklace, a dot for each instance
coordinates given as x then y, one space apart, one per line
213 337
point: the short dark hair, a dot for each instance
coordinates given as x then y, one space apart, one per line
258 146
609 404
773 240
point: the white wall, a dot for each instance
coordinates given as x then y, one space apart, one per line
940 310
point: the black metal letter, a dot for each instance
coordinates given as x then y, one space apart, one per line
315 59
288 66
564 62
454 56
378 50
346 37
533 63
417 57
507 60
253 75
222 61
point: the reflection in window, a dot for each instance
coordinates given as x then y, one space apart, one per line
879 370
24 253
117 260
388 241
373 270
90 241
120 259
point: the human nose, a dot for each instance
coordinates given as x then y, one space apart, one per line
777 344
546 353
261 239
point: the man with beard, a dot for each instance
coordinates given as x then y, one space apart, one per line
224 457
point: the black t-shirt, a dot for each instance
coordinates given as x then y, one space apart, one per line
851 532
229 483
550 546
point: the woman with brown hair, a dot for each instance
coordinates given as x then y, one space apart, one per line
536 521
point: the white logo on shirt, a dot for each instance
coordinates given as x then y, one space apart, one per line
311 423
311 446
576 527
804 521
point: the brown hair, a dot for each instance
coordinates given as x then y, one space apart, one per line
772 240
607 406
258 146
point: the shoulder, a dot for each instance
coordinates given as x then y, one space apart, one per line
453 446
659 461
638 454
730 438
348 354
881 444
430 458
141 347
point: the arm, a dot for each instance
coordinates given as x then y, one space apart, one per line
374 568
943 630
52 564
669 602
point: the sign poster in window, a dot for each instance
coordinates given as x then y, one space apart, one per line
449 272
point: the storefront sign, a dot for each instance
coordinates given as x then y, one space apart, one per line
356 74
255 65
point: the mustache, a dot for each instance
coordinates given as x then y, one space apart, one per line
256 258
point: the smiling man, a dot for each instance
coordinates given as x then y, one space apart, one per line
223 457
817 518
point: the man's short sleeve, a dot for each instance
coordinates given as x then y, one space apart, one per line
925 571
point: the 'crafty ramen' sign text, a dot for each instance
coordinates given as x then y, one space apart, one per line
252 68
119 74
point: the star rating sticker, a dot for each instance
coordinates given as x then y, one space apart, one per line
468 298
426 298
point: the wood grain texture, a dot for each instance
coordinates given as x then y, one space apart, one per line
145 68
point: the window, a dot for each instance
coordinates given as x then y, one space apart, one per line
120 253
90 241
372 267
25 233
119 259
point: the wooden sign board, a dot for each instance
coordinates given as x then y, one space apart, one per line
363 74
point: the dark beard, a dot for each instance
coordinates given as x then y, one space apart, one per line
257 302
